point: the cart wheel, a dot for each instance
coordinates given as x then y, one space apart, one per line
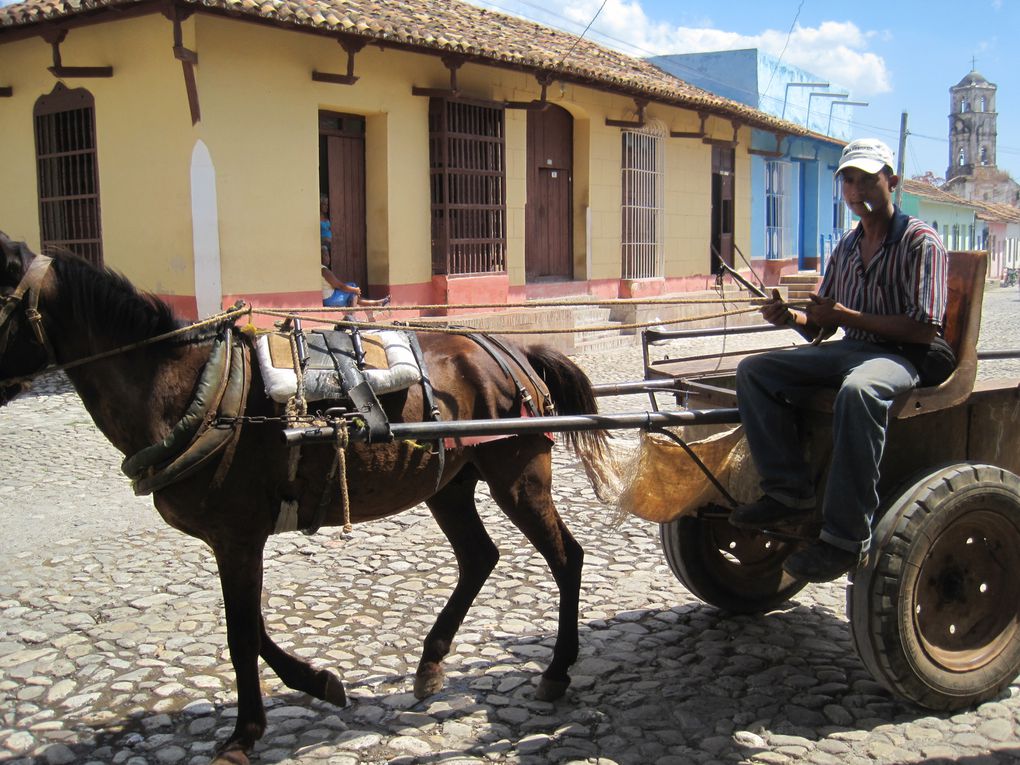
935 612
732 569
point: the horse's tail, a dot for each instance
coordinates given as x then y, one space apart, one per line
572 392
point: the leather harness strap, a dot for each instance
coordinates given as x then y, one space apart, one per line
31 285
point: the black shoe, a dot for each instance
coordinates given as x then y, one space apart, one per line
820 562
767 513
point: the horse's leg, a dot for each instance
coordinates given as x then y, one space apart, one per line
299 674
519 474
240 569
455 512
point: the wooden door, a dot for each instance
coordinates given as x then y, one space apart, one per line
342 178
548 212
722 206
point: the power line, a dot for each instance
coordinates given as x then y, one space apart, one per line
581 36
783 51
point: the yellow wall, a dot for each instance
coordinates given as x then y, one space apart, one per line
143 140
260 122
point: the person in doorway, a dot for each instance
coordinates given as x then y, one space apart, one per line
885 286
337 293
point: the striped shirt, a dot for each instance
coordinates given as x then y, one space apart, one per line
907 275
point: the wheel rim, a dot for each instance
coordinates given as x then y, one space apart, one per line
967 596
749 557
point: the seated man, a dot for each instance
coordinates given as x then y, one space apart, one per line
885 286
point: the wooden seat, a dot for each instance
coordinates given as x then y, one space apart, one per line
966 286
966 283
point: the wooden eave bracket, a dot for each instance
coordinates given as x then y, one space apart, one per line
352 46
545 79
774 154
640 103
453 63
55 37
730 144
6 91
187 57
700 133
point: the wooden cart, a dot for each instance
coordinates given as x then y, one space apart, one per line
935 609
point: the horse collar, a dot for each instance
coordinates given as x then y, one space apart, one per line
30 285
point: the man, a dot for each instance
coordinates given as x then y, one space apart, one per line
885 286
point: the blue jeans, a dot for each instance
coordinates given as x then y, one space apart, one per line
866 377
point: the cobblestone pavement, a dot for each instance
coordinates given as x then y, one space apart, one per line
112 643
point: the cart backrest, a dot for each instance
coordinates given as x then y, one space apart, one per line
966 284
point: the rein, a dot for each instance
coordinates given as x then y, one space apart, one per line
32 313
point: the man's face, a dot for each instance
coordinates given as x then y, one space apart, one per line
860 187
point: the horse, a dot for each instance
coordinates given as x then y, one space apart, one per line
59 311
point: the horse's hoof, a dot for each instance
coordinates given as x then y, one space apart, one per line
428 681
334 691
230 757
550 690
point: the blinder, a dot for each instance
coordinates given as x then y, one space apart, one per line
30 287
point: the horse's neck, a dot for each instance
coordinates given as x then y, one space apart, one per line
134 399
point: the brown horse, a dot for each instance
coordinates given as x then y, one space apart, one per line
71 311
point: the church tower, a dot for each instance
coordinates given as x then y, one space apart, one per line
972 129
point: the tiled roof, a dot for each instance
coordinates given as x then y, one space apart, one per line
447 27
934 193
984 210
997 212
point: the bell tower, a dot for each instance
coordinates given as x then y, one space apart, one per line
972 129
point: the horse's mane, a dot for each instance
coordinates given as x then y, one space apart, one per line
125 313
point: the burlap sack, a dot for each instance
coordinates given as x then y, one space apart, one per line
666 483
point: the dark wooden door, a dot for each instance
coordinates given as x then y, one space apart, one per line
722 206
342 152
548 212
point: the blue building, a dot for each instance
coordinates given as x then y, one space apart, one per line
797 212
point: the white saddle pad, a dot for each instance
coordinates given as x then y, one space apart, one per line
389 366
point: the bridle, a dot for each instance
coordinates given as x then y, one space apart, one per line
30 286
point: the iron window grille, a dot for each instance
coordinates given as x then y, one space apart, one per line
779 201
467 159
68 173
643 202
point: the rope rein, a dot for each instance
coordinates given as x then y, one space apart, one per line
420 326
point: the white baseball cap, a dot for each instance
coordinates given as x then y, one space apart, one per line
867 154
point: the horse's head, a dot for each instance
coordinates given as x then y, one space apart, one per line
21 352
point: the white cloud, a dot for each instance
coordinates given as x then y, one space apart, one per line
837 51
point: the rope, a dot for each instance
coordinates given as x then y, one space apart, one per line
563 303
232 315
296 404
422 327
342 439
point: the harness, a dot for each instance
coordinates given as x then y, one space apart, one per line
30 285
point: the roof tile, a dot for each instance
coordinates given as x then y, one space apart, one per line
447 26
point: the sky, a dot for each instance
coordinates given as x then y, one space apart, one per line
897 55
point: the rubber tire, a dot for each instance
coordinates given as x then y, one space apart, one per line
919 580
700 553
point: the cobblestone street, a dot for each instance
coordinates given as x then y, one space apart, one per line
113 649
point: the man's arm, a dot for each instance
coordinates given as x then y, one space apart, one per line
896 328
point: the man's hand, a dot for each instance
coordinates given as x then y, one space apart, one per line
775 311
824 312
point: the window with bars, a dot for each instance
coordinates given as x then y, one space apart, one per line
467 158
68 175
643 195
778 210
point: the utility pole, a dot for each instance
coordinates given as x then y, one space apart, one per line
899 158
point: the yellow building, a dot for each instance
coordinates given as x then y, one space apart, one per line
467 157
